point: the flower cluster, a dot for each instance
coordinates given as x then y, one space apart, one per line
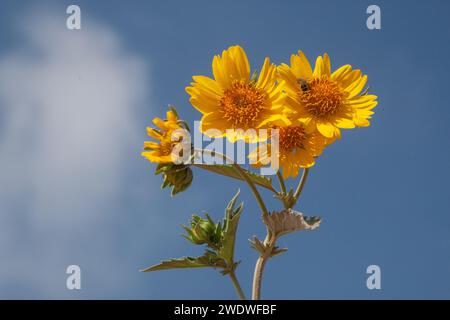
309 107
292 111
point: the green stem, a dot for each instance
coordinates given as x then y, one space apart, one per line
244 176
237 286
252 186
301 185
283 190
281 180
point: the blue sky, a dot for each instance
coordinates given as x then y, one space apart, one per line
74 190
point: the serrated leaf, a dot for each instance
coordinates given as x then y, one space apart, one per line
232 216
229 171
288 221
207 260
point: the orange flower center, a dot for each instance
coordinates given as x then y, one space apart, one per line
166 148
241 104
291 138
321 97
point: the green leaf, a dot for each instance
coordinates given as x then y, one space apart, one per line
229 171
209 259
232 216
162 167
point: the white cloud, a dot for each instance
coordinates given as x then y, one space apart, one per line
68 101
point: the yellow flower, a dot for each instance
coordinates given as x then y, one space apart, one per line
161 151
232 100
298 146
324 100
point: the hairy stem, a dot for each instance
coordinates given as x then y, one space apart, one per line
283 189
301 185
237 286
257 277
259 267
281 180
270 241
252 186
244 176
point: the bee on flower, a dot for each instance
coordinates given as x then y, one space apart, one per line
323 100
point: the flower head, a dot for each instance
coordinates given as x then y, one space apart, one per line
160 151
234 100
298 146
323 100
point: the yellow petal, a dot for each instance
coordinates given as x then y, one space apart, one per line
304 159
214 124
341 73
356 87
326 65
267 75
349 78
276 119
220 72
326 129
287 79
308 123
230 66
363 102
160 123
204 105
153 134
318 69
151 145
240 59
344 123
208 85
361 122
171 116
300 66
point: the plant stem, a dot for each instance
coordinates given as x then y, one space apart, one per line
281 180
259 268
237 286
301 185
257 278
270 240
283 190
252 186
244 176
